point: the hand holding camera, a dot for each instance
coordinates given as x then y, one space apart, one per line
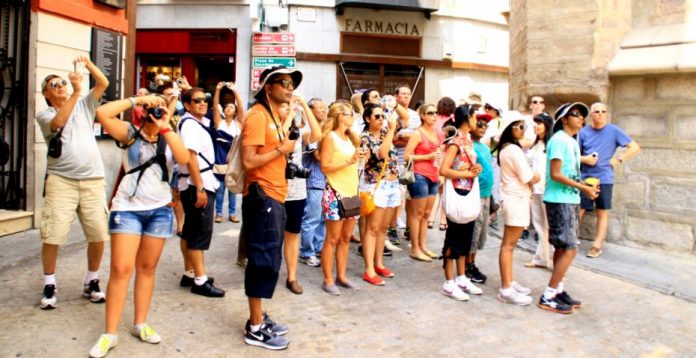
76 82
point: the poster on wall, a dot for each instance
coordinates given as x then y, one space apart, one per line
106 53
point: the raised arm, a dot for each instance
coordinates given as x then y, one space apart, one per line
216 104
100 81
63 114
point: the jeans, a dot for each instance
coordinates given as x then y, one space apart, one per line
220 197
313 226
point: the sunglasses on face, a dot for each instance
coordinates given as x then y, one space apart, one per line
430 113
537 102
347 114
286 83
576 114
378 116
198 100
599 111
481 124
61 82
520 127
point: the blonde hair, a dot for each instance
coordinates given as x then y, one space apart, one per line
332 121
424 108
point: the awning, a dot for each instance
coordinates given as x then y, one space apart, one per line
425 6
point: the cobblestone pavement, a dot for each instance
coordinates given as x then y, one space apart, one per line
408 317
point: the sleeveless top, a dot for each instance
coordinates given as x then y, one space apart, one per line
345 180
426 146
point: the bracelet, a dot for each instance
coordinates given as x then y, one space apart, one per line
132 100
164 131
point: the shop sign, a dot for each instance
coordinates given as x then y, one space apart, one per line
381 27
263 62
273 50
272 37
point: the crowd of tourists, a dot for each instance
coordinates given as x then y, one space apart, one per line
315 175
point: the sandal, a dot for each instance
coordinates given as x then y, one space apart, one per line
443 227
430 224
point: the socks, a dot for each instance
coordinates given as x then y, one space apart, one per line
255 328
91 275
559 289
462 278
508 291
50 279
201 280
550 293
189 274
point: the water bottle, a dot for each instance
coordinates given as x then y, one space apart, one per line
438 158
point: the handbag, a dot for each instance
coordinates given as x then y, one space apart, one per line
348 207
367 197
407 176
55 145
459 208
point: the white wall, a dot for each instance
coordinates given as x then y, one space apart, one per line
457 84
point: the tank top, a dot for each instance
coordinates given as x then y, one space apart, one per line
426 146
345 180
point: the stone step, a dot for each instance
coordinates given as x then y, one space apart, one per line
15 221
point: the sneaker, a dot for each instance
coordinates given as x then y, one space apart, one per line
207 289
387 252
407 234
393 236
594 252
49 300
103 345
453 291
554 305
277 328
521 289
146 334
473 273
514 298
565 298
525 235
311 261
360 250
264 337
93 292
389 245
467 286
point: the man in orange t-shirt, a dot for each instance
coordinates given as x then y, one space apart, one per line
265 145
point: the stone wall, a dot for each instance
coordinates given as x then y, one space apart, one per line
655 193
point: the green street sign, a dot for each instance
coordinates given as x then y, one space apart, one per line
264 62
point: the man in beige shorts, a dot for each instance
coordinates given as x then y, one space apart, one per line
75 183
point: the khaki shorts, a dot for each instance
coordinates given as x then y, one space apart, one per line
516 210
65 198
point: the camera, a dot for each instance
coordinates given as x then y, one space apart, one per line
293 171
294 132
156 112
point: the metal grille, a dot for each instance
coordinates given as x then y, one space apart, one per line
14 35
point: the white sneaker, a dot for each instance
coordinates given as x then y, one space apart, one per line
146 334
520 289
391 246
103 345
49 300
92 291
514 298
453 291
467 286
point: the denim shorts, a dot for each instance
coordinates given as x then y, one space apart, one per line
387 195
602 202
154 223
422 187
563 225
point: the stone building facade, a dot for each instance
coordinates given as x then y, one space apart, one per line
636 56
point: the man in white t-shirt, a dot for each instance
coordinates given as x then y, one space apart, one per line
74 183
197 186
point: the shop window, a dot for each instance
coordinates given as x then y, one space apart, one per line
150 68
359 76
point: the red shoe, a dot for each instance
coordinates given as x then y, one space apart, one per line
374 280
384 272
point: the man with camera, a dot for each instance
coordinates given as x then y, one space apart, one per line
74 176
197 186
266 141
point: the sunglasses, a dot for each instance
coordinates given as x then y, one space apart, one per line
481 124
378 116
347 114
198 100
537 102
520 127
285 83
576 114
431 113
61 82
599 111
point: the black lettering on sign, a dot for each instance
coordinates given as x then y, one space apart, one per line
381 27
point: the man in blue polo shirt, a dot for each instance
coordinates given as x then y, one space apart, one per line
598 144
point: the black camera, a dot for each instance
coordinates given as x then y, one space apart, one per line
293 171
294 133
156 112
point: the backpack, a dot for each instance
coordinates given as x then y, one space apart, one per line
236 175
160 158
222 143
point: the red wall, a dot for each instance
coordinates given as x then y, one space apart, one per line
212 41
87 11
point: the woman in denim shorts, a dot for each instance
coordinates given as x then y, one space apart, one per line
141 217
338 157
380 177
423 149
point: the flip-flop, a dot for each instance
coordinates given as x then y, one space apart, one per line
443 227
430 224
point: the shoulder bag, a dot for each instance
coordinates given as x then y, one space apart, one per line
407 176
367 197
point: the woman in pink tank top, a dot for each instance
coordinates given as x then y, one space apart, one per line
423 149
